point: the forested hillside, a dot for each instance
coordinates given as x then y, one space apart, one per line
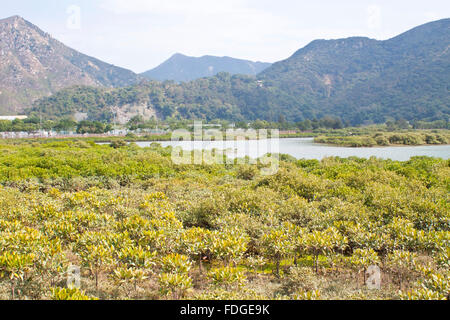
359 80
224 96
367 80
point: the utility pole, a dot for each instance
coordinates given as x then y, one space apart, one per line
115 125
40 122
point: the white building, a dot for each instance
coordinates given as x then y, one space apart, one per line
11 118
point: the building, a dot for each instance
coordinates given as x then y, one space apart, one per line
11 118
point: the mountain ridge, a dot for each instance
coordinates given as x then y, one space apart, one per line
371 75
358 79
183 68
33 64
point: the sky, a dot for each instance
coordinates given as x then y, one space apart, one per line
141 34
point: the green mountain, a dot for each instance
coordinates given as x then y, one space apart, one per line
181 68
361 79
34 65
357 79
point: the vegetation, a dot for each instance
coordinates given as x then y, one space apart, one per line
220 97
359 80
55 66
410 138
34 124
364 80
141 227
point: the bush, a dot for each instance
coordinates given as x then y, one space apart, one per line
247 172
118 144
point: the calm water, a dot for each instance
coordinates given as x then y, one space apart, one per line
305 148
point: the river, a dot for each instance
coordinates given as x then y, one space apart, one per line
305 148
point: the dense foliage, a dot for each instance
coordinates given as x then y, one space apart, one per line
34 124
411 138
223 96
142 227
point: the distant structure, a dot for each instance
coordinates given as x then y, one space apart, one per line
288 132
80 116
11 118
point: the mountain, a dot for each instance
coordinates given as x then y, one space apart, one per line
365 80
34 65
183 68
358 79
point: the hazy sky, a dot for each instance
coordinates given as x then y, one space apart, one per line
140 34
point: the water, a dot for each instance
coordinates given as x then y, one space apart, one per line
305 148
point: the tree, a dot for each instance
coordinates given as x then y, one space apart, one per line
175 284
230 245
124 275
15 267
323 242
276 245
403 264
65 125
363 258
195 243
96 257
175 278
227 276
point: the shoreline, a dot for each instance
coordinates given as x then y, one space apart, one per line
159 139
381 147
316 144
104 139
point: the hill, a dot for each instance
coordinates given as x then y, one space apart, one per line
34 65
183 68
358 79
368 80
